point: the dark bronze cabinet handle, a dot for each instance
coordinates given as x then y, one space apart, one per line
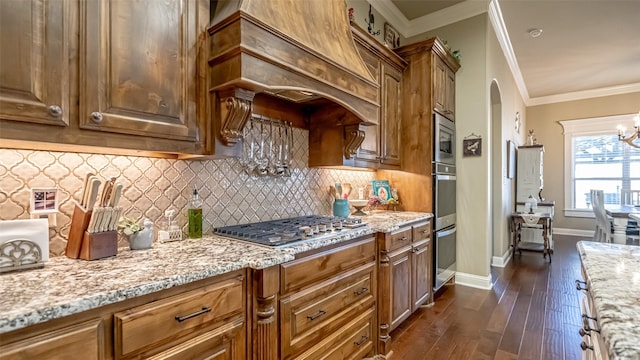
404 238
317 315
200 312
578 287
361 291
362 340
584 346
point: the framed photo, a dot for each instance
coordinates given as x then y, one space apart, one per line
472 147
44 200
511 160
391 36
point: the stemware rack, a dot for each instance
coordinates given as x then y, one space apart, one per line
267 147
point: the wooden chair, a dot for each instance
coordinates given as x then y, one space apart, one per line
603 225
629 197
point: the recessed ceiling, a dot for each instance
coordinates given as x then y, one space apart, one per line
413 9
587 48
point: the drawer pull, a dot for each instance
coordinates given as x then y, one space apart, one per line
586 327
317 315
426 231
200 312
362 340
361 291
585 316
578 287
584 346
404 238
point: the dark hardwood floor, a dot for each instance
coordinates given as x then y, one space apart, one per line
532 312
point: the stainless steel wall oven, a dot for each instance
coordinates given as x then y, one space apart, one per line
444 201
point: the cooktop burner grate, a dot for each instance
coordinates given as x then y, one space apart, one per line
276 233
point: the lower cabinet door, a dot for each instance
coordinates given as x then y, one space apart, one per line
421 270
353 341
83 341
400 277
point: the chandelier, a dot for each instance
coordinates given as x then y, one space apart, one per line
635 134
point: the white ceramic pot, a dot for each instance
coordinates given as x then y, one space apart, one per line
143 239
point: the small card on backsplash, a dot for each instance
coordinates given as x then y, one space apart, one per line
381 189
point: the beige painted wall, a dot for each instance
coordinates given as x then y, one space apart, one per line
503 125
543 119
472 116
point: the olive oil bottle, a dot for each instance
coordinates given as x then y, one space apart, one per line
194 214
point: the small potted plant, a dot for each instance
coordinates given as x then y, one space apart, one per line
140 237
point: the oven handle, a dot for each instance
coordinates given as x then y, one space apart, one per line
445 177
445 232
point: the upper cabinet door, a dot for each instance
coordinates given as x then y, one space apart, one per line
34 69
391 119
138 66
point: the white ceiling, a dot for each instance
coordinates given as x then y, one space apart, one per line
588 48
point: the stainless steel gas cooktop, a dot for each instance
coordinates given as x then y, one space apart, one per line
279 233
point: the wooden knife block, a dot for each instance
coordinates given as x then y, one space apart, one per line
79 224
99 245
82 245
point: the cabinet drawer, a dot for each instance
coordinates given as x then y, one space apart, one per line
83 341
422 231
353 341
399 239
165 320
217 344
315 313
307 270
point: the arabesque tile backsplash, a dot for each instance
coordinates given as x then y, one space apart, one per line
151 186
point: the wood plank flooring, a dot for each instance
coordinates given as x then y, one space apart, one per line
532 312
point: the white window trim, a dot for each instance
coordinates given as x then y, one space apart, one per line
585 127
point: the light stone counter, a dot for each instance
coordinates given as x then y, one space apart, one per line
388 221
613 278
66 286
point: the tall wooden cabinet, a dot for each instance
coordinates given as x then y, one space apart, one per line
428 86
108 73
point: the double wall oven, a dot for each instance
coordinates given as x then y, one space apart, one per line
444 200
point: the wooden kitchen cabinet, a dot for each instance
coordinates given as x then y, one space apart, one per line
34 47
444 89
81 341
379 144
204 319
113 74
328 303
405 273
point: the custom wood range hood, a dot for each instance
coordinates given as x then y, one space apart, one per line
302 51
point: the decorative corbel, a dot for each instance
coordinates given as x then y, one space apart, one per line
353 137
235 107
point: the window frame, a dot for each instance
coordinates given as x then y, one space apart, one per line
605 125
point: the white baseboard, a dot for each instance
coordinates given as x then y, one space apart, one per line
501 261
474 281
573 232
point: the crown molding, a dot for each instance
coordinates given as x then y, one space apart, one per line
497 21
586 94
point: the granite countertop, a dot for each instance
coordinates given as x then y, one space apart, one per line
613 278
67 286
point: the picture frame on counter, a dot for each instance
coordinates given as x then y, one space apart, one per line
44 200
